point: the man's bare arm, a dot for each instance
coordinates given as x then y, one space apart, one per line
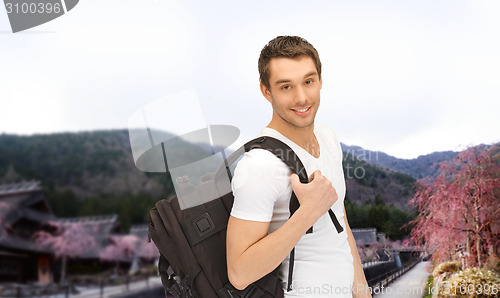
360 286
251 253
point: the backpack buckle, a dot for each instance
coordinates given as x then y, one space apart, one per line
204 224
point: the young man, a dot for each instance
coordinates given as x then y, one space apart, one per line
260 234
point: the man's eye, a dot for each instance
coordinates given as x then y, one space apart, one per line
309 82
286 87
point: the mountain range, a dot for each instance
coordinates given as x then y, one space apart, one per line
417 168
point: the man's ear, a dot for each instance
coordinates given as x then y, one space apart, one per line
266 92
320 83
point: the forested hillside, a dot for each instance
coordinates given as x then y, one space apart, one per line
366 181
88 173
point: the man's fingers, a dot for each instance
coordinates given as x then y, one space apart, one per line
294 179
315 174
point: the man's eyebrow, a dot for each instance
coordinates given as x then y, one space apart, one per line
312 73
282 81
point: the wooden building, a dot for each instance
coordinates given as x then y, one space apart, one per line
23 209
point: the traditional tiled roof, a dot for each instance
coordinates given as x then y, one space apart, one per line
16 188
367 236
25 204
141 231
17 243
21 195
22 203
18 206
100 227
105 223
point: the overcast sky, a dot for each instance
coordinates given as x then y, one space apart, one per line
403 77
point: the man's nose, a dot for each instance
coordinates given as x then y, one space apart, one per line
301 96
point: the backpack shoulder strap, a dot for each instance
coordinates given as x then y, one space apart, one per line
288 156
282 151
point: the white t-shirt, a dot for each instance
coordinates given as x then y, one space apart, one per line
262 189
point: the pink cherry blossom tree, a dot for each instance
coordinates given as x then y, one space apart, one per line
121 248
67 240
395 245
459 210
148 251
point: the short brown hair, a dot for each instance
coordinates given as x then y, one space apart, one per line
288 47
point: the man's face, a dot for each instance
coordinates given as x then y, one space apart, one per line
294 91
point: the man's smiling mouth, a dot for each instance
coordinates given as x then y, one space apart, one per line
302 111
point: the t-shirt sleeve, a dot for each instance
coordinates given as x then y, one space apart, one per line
259 179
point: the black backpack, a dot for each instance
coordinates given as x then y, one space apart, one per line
192 241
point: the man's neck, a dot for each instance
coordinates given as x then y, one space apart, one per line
304 136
